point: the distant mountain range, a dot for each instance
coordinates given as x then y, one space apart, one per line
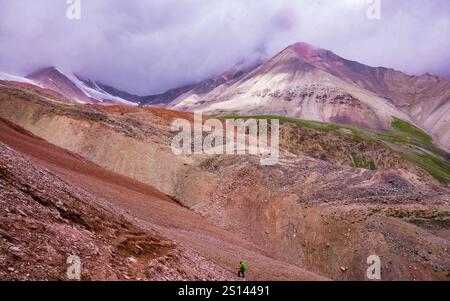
315 84
81 159
301 81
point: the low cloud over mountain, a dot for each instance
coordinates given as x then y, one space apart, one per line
146 47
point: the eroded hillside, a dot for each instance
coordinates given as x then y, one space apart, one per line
318 209
44 220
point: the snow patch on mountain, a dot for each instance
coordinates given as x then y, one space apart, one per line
19 79
97 93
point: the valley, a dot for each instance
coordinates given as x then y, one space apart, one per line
340 193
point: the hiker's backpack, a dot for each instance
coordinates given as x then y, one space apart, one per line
244 267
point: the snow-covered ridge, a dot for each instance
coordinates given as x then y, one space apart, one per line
74 88
19 79
97 93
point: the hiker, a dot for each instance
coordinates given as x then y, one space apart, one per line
242 269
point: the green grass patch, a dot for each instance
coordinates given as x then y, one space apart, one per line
324 127
437 167
411 131
419 149
414 145
361 162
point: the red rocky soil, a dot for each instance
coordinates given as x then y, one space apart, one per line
55 204
304 214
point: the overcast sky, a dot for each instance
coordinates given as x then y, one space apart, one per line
148 46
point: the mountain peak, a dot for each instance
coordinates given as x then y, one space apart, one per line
78 89
303 49
44 71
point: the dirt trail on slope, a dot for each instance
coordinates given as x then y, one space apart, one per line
152 209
